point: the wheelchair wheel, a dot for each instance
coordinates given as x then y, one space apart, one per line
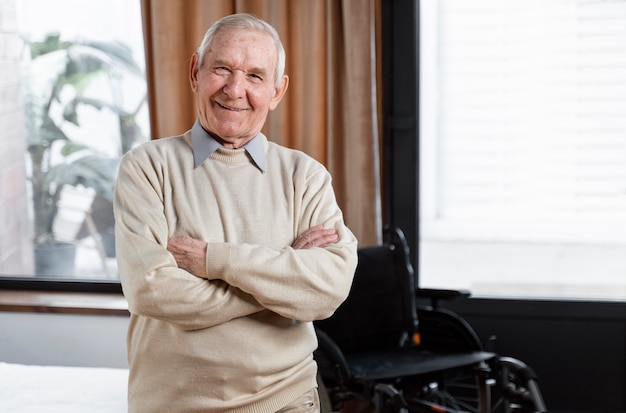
515 388
506 386
467 391
325 403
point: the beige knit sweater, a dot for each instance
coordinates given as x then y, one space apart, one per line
241 341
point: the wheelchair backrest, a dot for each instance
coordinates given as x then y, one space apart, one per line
380 310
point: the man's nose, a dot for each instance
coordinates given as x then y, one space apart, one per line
235 86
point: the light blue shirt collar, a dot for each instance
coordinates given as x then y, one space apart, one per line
203 145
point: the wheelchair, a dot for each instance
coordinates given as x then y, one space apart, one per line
382 352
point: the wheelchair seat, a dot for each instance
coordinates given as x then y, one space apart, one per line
412 361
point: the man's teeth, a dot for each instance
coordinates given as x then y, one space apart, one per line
229 108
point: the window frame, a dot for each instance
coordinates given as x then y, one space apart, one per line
60 284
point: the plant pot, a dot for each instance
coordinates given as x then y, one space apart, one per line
55 259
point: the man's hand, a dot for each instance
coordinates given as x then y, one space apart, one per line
315 237
190 254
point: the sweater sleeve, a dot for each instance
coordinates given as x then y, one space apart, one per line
302 284
152 283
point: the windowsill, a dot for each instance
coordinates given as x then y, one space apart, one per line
63 302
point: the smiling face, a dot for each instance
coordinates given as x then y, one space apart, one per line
236 87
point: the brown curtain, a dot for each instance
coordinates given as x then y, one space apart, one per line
332 107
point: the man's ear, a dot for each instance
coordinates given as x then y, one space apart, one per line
279 92
193 71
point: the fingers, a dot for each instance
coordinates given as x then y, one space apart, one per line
315 237
189 253
177 244
186 244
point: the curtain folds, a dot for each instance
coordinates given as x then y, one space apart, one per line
331 109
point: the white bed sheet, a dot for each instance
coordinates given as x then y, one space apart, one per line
54 389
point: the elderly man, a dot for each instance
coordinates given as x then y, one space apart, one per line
228 245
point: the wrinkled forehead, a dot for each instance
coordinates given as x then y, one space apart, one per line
244 43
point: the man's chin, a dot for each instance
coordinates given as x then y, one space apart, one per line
233 140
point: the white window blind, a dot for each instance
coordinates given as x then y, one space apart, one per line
523 147
532 111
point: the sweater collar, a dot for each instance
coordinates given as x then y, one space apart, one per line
204 145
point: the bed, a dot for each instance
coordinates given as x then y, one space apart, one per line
55 389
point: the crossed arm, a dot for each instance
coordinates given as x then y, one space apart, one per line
190 253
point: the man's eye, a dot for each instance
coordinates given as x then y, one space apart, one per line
221 70
255 76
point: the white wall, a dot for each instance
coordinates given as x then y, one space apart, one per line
63 339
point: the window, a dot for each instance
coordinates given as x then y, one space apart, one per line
81 105
523 147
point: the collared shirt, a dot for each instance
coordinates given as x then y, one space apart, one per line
203 145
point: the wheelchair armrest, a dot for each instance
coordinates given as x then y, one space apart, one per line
435 295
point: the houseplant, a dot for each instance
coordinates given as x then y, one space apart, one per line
59 75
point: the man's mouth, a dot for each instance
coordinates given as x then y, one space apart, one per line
229 108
